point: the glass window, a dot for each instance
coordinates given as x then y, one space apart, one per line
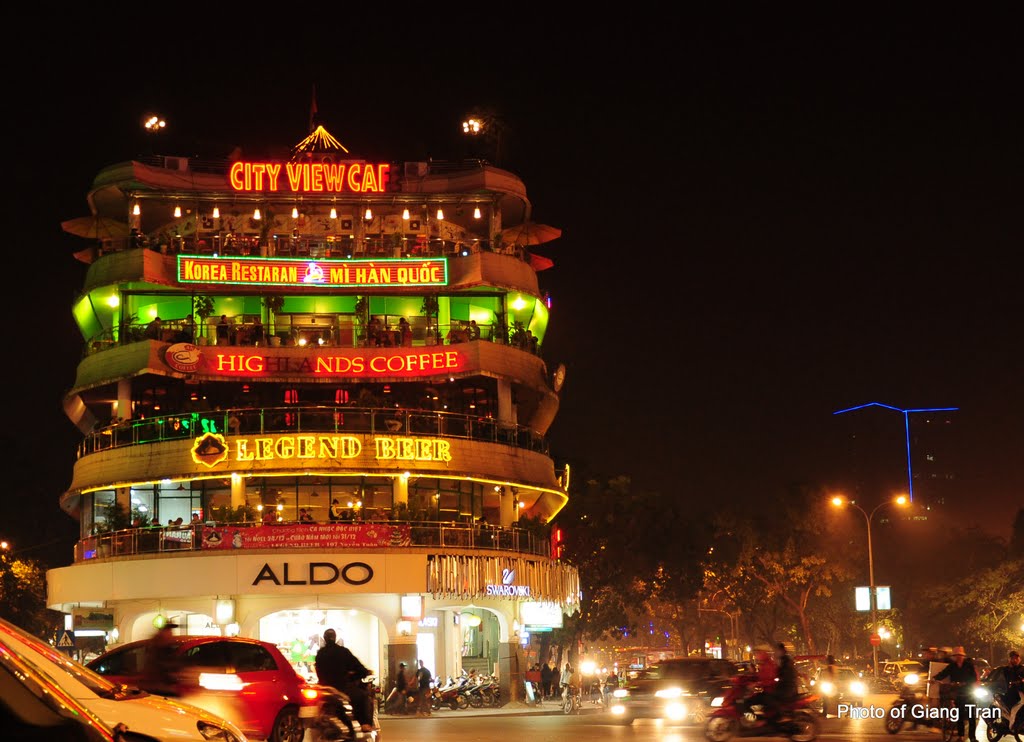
244 657
208 654
131 661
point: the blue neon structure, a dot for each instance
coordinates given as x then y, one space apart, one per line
906 425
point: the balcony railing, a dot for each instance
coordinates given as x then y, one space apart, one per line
189 538
325 419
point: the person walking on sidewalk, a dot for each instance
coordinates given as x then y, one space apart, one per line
423 679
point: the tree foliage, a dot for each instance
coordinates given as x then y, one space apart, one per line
23 597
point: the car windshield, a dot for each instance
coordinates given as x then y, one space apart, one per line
847 673
68 672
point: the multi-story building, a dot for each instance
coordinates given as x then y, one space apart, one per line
312 395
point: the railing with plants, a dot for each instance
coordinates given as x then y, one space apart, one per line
325 419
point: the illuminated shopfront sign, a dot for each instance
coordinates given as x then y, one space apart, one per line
327 272
321 361
316 573
213 448
508 587
309 177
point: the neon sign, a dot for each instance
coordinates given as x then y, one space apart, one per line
212 448
339 363
309 177
330 272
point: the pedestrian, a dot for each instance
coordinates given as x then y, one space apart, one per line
1006 682
397 701
337 667
546 674
828 675
423 678
963 678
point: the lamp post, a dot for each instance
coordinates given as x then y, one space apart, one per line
840 501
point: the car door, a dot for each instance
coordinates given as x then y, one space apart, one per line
266 685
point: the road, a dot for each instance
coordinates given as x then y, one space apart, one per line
517 726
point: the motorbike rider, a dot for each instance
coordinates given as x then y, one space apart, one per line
767 673
963 676
338 667
785 690
1010 679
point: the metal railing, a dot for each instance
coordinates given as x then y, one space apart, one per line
331 336
188 538
317 419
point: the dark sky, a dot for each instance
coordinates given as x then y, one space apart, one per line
764 219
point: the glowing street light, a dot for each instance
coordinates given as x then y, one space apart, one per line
153 123
906 425
840 501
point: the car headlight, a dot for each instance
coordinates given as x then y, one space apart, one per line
827 688
669 693
212 731
717 701
912 678
857 688
980 693
620 693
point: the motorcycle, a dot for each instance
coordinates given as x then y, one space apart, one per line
731 718
997 719
451 695
906 711
335 721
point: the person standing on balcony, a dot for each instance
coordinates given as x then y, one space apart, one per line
405 332
223 330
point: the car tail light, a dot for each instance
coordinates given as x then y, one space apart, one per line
310 694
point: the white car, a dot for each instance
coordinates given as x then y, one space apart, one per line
154 716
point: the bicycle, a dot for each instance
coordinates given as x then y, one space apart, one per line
572 700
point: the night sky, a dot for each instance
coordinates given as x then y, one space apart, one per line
764 221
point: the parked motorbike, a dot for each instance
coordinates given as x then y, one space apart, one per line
451 695
731 718
335 721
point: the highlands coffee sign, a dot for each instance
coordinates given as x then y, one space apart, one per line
309 177
327 272
187 358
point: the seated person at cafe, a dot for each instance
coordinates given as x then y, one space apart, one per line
154 330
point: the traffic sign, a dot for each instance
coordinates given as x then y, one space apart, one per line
875 640
66 640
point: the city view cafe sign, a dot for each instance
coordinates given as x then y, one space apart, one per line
327 272
309 177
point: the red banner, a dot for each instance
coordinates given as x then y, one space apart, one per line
305 535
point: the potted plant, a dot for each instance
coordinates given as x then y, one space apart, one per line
362 316
203 307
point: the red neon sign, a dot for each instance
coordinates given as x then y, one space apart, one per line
332 362
309 177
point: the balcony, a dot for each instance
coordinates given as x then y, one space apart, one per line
432 535
326 419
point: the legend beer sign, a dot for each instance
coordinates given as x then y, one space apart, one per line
327 272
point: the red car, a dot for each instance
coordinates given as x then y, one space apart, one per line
246 681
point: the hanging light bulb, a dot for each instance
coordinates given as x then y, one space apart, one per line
136 210
334 213
295 212
368 216
256 214
476 213
177 212
216 213
405 214
440 214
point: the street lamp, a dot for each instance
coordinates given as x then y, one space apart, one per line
839 501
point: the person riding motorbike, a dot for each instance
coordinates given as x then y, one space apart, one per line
785 690
767 673
1009 679
337 667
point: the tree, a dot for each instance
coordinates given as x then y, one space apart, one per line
986 604
23 597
